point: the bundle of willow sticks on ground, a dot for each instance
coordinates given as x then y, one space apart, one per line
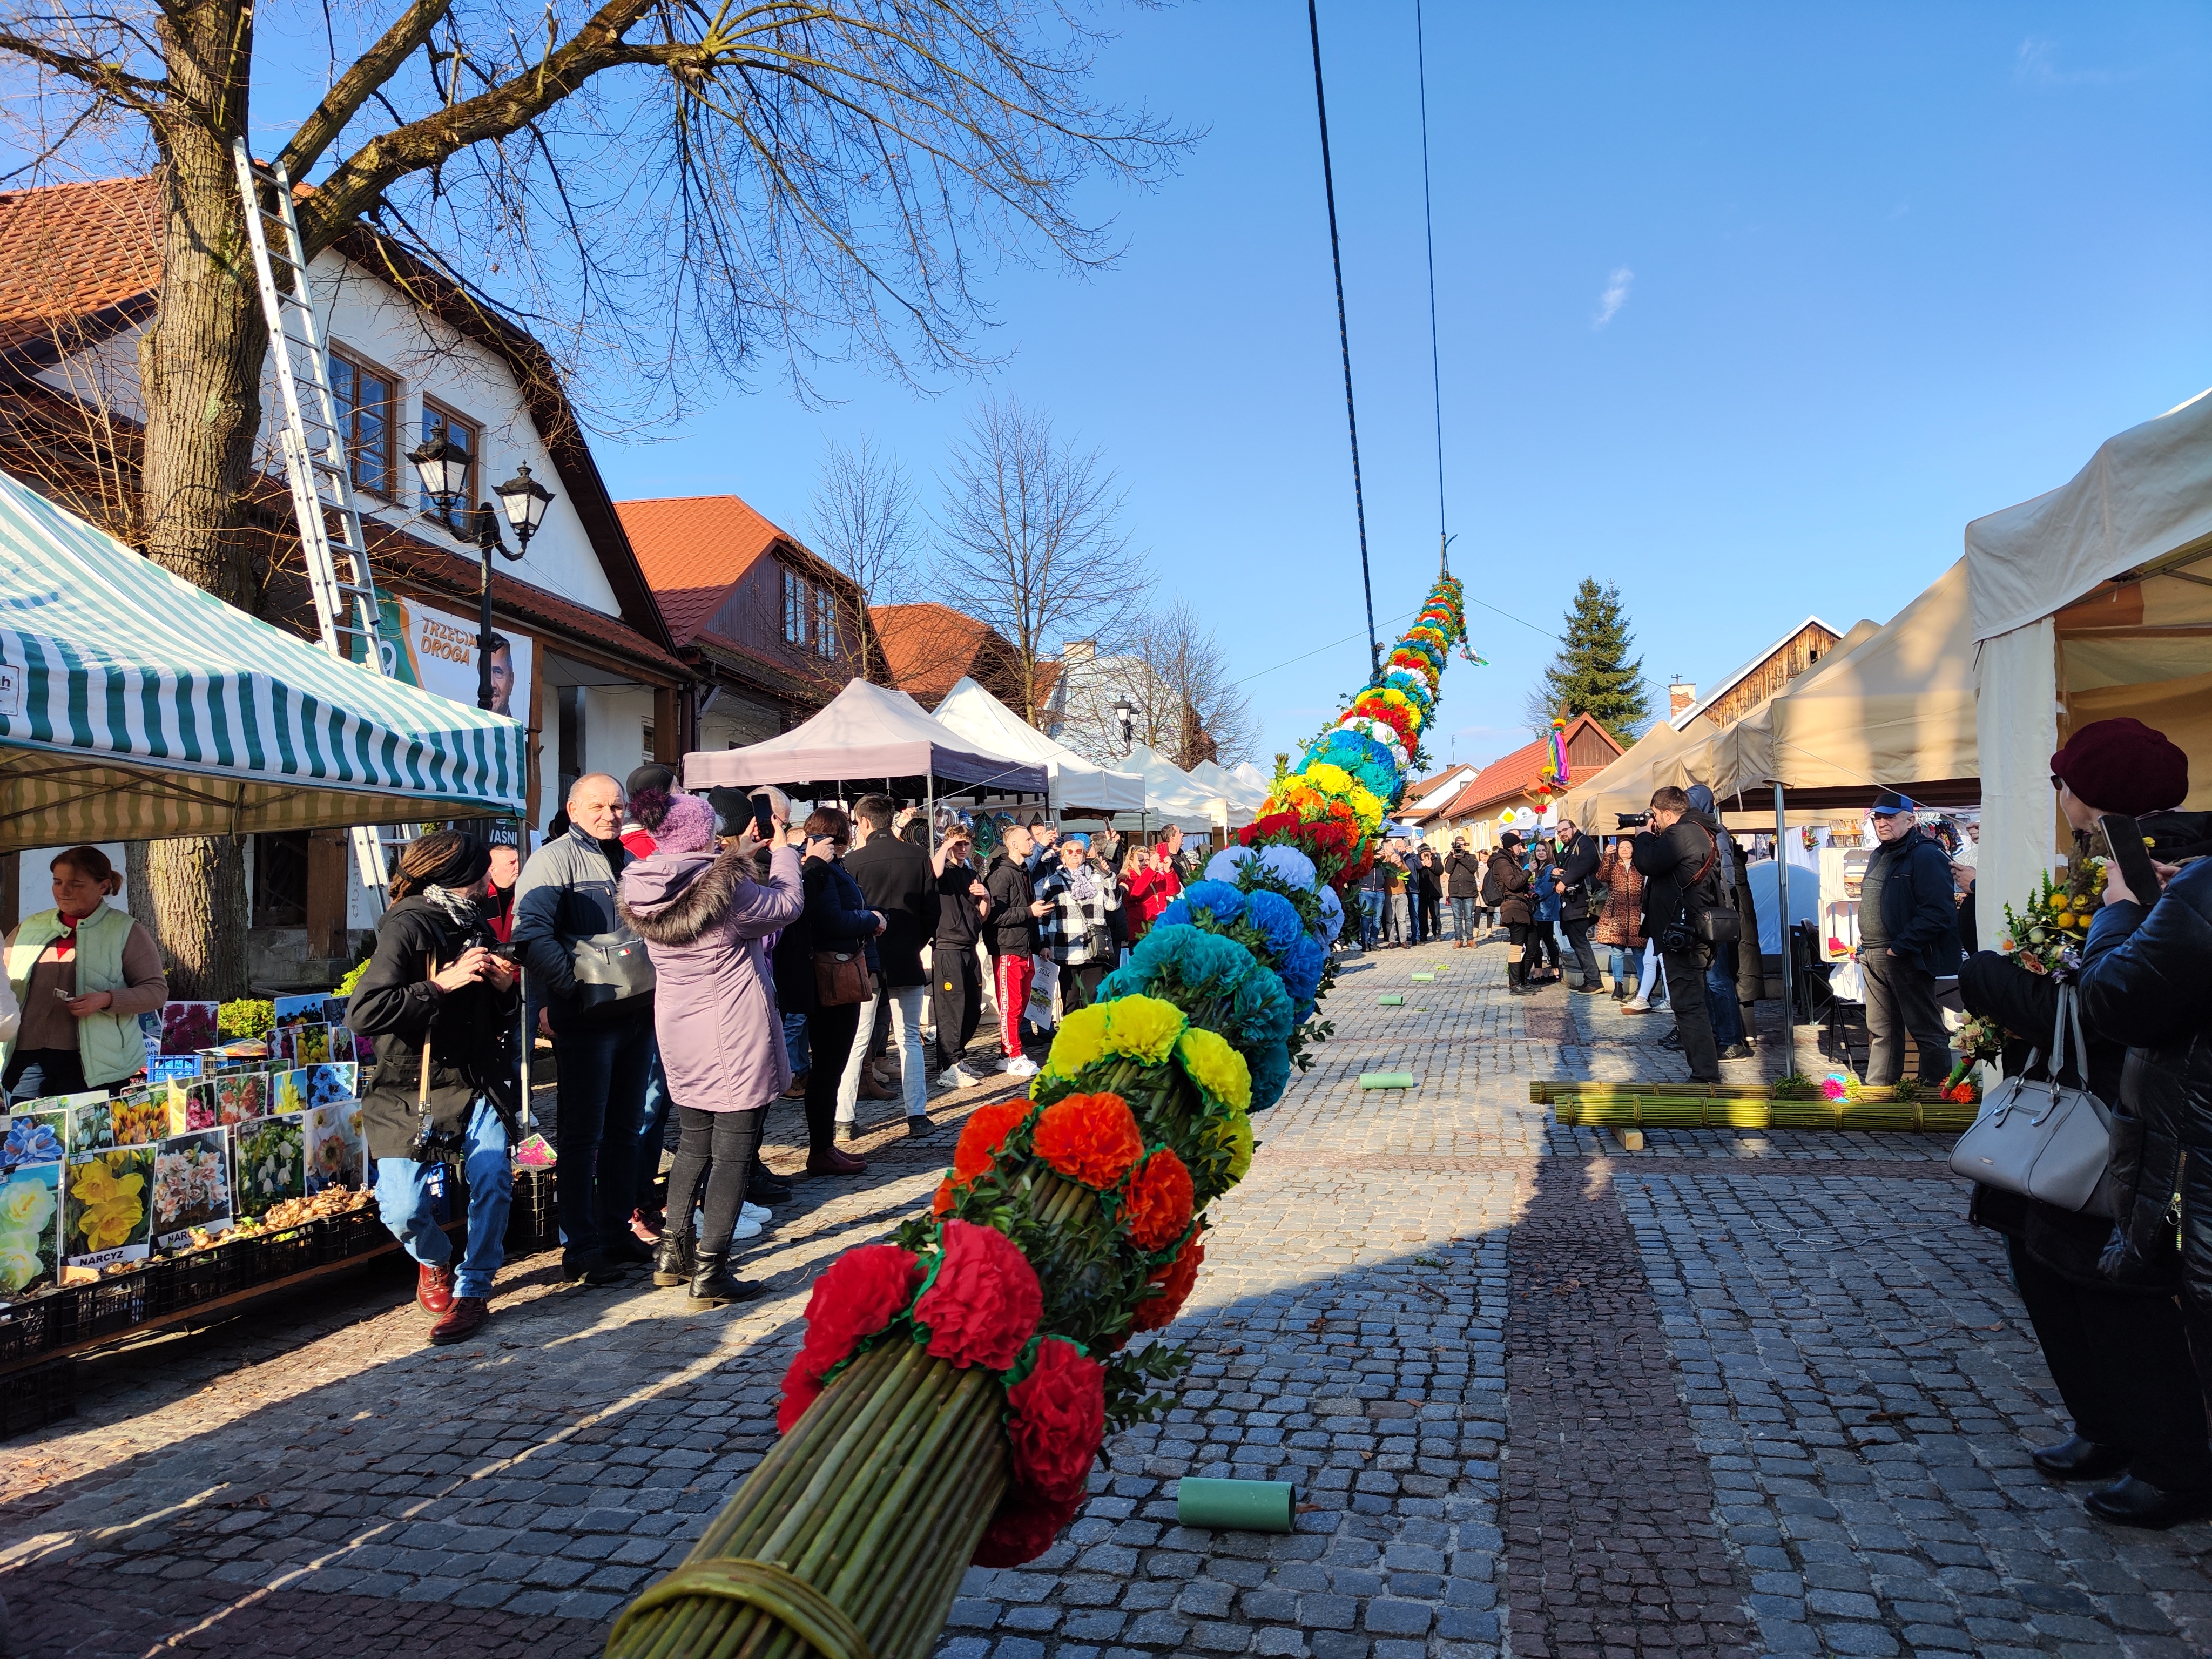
1667 1111
956 1384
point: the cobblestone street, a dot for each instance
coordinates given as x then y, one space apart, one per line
1734 1393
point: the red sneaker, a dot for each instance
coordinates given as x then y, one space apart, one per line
646 1226
433 1289
470 1313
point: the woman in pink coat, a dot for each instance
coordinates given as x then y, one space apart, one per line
705 918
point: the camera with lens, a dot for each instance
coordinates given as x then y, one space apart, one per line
1631 820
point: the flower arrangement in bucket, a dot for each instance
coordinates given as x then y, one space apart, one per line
956 1385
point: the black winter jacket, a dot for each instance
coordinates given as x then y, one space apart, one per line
1577 864
1997 988
2147 981
471 1032
1463 876
1919 904
1512 884
1009 929
1684 857
896 877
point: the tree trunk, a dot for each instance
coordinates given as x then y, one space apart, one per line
200 371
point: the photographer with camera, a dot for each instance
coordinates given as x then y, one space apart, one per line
438 1000
1680 860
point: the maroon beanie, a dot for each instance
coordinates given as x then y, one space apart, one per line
2123 765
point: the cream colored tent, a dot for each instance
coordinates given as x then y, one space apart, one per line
2084 606
1626 785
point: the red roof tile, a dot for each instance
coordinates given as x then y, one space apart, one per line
929 647
77 248
695 549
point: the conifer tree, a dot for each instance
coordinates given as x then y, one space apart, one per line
1592 674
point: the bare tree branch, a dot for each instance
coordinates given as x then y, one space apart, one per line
361 81
865 522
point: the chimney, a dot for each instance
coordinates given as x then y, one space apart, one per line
1076 651
1680 694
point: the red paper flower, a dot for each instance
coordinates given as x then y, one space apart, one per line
987 1129
1174 1281
1092 1139
1058 1422
861 1292
1023 1531
1156 1207
986 1301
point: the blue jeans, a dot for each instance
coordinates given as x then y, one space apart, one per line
653 1122
1726 1013
794 1042
404 1202
1464 918
1371 917
603 1068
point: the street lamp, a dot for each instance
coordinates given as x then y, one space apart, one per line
443 467
526 501
1125 713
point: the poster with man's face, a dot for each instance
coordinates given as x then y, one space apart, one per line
437 651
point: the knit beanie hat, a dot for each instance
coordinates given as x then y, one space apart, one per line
2123 765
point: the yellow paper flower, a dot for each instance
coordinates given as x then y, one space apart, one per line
1216 1067
1331 780
1236 1133
1143 1028
27 1204
1367 804
1080 1040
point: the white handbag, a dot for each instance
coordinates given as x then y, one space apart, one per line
2041 1137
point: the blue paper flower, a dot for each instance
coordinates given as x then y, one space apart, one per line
1290 866
1332 916
1218 899
1301 969
1224 866
1271 1075
1260 1014
1275 918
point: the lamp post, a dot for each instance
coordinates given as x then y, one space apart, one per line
1125 713
443 467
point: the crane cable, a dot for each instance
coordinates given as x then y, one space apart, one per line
1429 235
1344 338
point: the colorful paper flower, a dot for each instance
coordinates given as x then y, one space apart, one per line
1155 1206
1022 1531
861 1293
1174 1281
986 1130
1092 1139
985 1301
1057 1423
1216 1067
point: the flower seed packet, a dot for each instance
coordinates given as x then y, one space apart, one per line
287 1091
331 1083
149 1033
109 1213
92 1124
300 1010
311 1045
30 1228
139 1117
191 1188
334 1010
335 1152
344 1045
271 1160
187 1027
241 1096
194 1106
31 1139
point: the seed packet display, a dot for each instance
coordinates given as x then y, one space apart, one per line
139 1117
287 1091
271 1155
109 1212
335 1150
246 1054
187 1027
241 1096
344 1045
149 1033
32 1140
192 1187
310 1045
194 1106
91 1123
30 1228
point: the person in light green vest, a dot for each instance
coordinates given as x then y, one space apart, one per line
82 973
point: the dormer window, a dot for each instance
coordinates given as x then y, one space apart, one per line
810 615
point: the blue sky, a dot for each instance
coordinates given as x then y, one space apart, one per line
1748 308
1874 270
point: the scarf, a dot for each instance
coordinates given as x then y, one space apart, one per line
457 906
1082 884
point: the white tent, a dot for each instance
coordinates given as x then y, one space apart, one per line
1242 797
1252 778
1076 784
1173 796
2082 609
868 735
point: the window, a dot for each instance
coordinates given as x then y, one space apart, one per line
366 399
825 623
794 606
444 423
280 879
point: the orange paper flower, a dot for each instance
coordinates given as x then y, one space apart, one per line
987 1129
1157 1207
1092 1139
946 1198
1175 1282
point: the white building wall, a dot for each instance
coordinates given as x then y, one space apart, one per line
615 719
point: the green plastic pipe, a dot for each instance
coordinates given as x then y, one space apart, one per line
1386 1079
1239 1505
1389 1002
1424 979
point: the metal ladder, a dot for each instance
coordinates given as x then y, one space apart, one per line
315 455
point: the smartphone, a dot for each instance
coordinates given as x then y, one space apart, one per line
2132 855
764 819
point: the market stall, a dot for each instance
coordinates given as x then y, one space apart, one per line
1074 785
1243 798
135 706
1172 796
2090 601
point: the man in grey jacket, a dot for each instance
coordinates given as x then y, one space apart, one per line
602 1030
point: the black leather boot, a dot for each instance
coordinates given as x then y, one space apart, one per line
712 1285
2132 1502
673 1262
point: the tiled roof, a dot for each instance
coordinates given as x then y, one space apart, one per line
928 647
73 250
1518 773
695 549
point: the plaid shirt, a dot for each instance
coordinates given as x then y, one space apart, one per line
1073 932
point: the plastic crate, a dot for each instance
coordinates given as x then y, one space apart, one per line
531 1224
36 1397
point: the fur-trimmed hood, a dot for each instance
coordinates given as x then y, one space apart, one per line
673 898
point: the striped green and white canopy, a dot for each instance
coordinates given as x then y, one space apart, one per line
134 706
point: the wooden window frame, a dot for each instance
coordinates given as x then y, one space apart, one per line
387 487
825 620
457 526
797 606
